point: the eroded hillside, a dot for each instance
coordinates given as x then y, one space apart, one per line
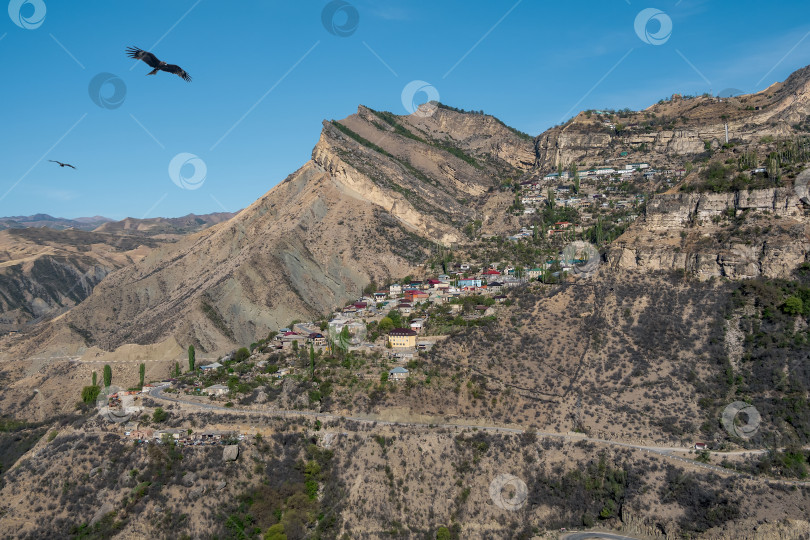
44 272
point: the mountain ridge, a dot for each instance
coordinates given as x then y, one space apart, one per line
277 244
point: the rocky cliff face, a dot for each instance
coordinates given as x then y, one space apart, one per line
378 194
735 235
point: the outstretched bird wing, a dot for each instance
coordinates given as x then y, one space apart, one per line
62 164
177 70
139 54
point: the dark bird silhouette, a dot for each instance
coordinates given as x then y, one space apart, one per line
62 164
157 65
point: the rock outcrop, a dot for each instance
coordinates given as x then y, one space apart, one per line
230 452
736 235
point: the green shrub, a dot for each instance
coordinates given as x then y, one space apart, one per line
793 305
275 532
90 394
159 415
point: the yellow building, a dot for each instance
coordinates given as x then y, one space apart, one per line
402 338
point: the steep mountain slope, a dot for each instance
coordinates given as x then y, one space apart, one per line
379 191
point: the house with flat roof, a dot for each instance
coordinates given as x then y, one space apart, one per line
402 338
215 365
217 390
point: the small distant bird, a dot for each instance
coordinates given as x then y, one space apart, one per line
153 62
62 164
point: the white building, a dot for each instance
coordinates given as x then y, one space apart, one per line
216 390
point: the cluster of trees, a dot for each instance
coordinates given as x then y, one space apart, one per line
720 177
595 491
705 505
91 392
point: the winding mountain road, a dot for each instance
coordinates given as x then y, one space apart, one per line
663 451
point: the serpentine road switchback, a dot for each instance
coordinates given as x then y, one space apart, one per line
664 451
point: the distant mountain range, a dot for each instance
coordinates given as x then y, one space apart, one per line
179 225
152 226
45 220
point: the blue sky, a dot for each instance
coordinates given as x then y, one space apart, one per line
266 73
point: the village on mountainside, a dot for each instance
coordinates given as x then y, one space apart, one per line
381 335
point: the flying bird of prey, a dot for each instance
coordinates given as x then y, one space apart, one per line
153 62
62 164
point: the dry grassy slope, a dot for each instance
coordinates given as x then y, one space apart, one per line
689 124
624 357
350 215
412 483
44 270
